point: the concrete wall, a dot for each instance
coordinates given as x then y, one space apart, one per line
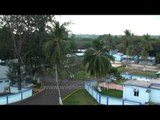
129 94
16 97
155 95
117 57
104 99
15 89
3 85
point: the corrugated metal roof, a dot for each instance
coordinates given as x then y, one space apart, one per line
137 83
148 84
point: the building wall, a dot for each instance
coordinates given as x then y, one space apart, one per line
3 85
117 57
155 95
107 100
128 93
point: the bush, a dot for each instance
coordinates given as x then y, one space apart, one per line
37 85
158 66
82 75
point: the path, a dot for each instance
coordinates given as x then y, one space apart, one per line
111 86
50 95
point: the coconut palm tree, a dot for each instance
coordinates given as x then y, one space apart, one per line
127 40
110 43
55 48
146 46
97 60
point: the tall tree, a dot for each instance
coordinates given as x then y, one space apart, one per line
127 39
20 27
56 48
97 61
110 43
146 46
6 44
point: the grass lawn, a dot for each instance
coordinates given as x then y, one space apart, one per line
81 97
146 73
120 82
121 69
112 93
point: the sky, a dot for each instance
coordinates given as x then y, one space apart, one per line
112 24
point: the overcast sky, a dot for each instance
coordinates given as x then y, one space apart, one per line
113 24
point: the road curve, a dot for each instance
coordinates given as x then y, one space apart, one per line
50 94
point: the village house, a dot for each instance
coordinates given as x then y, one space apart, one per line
142 91
120 57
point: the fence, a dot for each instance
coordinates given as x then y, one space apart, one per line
16 97
104 99
129 76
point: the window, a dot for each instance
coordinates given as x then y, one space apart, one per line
136 92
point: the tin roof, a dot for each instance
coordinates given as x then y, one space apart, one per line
148 84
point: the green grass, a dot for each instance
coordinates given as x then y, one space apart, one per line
119 82
112 93
121 69
145 73
81 97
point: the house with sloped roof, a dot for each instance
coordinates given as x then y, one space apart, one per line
142 91
4 80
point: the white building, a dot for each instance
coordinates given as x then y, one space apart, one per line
4 81
142 91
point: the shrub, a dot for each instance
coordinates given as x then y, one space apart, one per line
37 85
82 75
158 66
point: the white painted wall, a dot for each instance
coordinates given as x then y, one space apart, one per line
15 89
129 94
27 94
103 100
130 103
16 97
113 101
94 94
155 95
3 85
3 100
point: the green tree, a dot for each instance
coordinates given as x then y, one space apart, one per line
127 41
55 48
6 44
146 46
21 27
110 43
97 60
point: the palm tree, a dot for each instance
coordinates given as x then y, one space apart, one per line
110 43
55 48
127 41
131 51
97 61
146 46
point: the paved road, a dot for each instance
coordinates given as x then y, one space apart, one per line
50 94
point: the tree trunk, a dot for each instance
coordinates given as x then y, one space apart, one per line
110 52
127 59
59 93
144 69
19 75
